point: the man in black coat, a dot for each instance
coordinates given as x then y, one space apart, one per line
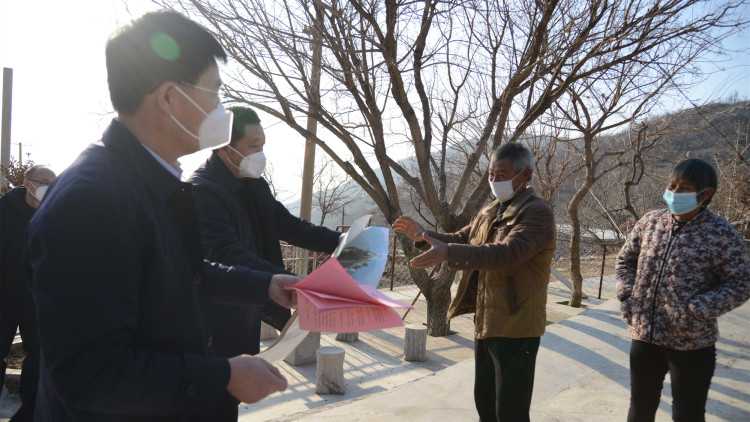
242 224
16 303
119 277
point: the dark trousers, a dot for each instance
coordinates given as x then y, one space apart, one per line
18 313
690 371
504 378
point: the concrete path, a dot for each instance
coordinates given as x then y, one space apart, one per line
375 363
582 375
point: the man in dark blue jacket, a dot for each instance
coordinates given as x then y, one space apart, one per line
242 224
119 276
16 303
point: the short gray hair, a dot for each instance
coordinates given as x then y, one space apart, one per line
35 170
516 153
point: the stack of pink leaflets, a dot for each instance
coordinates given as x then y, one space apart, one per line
330 300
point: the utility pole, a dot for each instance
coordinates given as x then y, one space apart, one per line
5 126
312 124
306 352
20 153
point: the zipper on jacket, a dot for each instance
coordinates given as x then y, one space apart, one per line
672 234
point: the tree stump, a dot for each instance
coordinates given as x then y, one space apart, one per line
415 343
330 371
267 332
347 337
305 352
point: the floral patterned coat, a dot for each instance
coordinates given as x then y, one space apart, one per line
675 279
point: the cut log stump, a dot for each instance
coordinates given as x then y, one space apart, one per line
330 371
415 343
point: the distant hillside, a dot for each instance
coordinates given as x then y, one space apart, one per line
703 132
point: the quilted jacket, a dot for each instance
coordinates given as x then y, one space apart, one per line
675 279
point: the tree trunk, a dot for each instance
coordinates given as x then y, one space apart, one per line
575 258
436 291
438 302
575 242
575 223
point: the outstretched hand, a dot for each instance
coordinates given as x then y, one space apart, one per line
410 228
436 255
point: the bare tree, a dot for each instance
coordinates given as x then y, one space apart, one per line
268 175
554 161
637 166
16 170
732 199
332 191
599 105
420 75
619 198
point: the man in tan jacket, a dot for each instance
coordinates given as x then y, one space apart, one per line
505 254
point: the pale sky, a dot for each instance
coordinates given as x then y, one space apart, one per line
60 96
61 103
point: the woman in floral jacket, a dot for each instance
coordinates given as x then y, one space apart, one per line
679 270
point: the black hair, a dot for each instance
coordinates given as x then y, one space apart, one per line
698 173
157 47
516 153
243 116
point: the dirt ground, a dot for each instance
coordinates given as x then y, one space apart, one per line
591 266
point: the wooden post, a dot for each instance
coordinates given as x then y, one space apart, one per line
305 353
329 373
347 337
300 263
393 262
415 343
416 298
5 125
601 276
308 166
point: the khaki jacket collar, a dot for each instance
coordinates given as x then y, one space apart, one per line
516 204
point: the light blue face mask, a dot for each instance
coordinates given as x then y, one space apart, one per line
681 203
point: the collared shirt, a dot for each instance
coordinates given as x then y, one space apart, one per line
174 170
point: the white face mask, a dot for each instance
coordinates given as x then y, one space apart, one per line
503 190
215 129
252 165
40 191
